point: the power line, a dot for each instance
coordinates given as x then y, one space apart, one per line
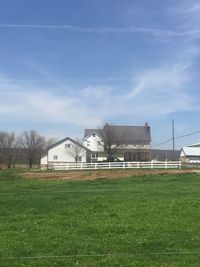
185 135
164 142
177 137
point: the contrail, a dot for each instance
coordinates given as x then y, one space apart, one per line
151 31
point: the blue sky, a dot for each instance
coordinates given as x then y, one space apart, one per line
66 65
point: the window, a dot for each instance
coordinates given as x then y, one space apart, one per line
55 157
88 143
94 157
67 145
93 134
79 159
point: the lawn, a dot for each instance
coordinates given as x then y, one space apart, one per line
151 220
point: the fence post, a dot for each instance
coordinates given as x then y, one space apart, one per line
67 166
123 165
95 165
151 164
138 165
179 164
165 164
81 166
109 165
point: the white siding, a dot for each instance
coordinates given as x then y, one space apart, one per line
43 160
94 143
64 154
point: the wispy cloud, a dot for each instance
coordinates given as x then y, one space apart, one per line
96 92
45 107
159 80
104 30
162 92
155 93
167 89
188 15
33 103
194 8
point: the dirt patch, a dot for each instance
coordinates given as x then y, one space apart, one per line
3 166
93 175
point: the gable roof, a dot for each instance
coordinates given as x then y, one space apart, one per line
131 134
191 151
89 132
195 145
126 134
68 139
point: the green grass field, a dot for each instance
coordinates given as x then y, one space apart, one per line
137 221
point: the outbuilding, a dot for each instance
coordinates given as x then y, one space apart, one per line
65 151
190 154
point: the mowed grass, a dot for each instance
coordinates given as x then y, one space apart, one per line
137 221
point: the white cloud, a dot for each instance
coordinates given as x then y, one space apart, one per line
96 92
156 93
45 106
30 103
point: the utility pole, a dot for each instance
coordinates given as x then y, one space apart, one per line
173 139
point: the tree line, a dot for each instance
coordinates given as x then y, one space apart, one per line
26 148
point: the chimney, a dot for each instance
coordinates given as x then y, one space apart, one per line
146 125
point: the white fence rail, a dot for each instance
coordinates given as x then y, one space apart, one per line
114 165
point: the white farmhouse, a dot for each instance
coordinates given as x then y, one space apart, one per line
65 151
132 143
93 139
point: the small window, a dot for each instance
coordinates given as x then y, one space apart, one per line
79 159
67 145
93 134
94 155
55 157
88 143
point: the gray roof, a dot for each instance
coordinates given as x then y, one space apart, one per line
89 132
163 154
126 134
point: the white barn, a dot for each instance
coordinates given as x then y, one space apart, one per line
65 151
190 154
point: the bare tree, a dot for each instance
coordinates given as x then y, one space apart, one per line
112 139
33 145
76 149
8 146
50 141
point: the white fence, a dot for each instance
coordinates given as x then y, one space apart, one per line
114 165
